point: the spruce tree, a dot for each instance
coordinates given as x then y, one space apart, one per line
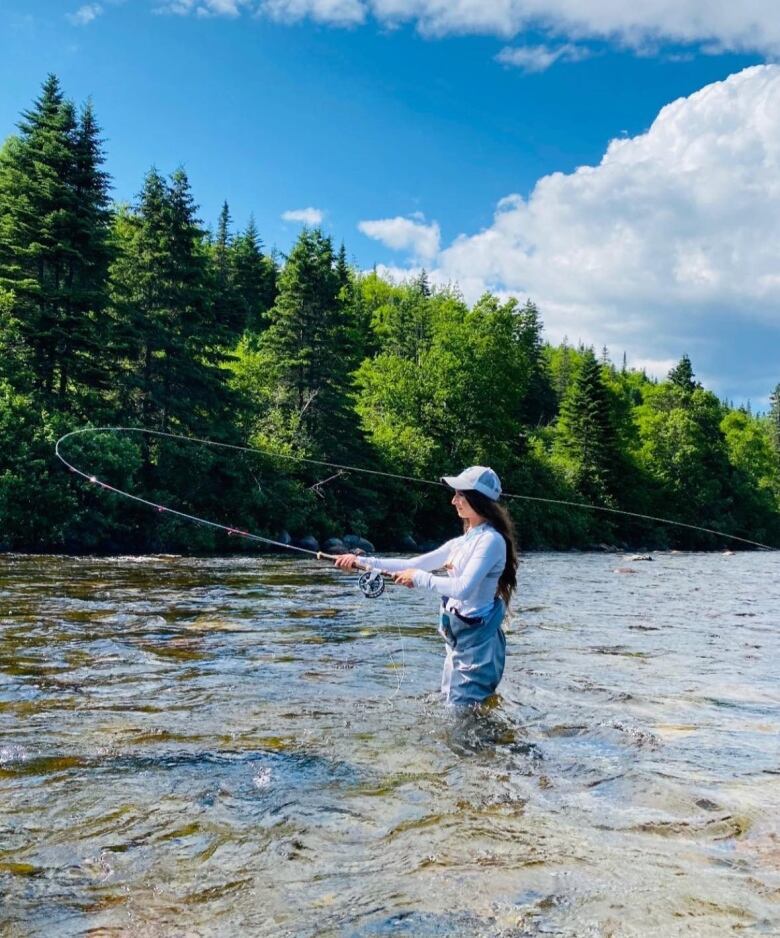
254 278
171 338
682 375
586 432
305 342
54 225
539 404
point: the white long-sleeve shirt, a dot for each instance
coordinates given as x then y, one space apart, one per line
474 561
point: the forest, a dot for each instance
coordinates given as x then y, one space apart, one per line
138 315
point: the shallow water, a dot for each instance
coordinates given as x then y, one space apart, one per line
248 746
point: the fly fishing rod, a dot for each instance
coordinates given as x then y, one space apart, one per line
371 581
375 585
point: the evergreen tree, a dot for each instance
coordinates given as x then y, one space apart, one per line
682 375
54 226
304 342
539 403
170 336
254 278
586 433
562 369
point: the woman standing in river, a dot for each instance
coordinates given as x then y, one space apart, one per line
481 575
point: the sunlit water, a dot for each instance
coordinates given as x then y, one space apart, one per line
249 747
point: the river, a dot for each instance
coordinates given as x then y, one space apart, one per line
248 746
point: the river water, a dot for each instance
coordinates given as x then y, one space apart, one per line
243 746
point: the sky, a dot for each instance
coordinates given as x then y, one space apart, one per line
617 163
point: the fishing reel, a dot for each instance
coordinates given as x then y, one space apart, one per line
371 583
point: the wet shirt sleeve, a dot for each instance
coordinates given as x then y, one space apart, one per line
489 551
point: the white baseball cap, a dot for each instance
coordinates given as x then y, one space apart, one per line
476 479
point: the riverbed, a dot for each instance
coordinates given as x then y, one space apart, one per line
248 746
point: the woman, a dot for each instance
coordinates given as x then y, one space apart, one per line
481 575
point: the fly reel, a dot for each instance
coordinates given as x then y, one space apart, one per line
371 583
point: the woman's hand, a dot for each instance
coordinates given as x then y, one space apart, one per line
346 561
405 577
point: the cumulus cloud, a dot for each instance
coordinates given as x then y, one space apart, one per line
85 14
333 12
230 8
306 216
670 244
539 58
750 25
405 234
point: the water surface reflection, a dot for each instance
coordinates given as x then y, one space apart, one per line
248 746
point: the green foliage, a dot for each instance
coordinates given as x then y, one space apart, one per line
682 376
54 242
773 419
134 315
586 436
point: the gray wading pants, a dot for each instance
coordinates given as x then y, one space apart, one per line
475 655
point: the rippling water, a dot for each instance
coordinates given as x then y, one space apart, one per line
248 746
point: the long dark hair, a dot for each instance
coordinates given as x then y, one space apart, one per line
501 520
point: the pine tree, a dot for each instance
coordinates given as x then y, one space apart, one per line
305 341
586 433
254 278
539 404
54 239
682 375
171 339
87 271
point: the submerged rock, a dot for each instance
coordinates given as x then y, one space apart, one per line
641 557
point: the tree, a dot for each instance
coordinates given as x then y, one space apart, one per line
539 403
586 434
54 241
684 451
168 333
774 418
306 348
682 375
254 277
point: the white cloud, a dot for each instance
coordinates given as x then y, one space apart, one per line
671 244
540 58
333 12
750 25
306 216
230 8
85 14
405 234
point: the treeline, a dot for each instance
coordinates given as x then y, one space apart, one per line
134 315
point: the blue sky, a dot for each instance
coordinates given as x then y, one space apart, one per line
405 123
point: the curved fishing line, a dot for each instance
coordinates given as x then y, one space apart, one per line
334 465
401 672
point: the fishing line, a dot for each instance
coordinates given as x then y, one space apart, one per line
346 468
371 581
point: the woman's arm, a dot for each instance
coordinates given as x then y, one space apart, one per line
486 554
433 560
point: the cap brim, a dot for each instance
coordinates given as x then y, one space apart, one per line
451 481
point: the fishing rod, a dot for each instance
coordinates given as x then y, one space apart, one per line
369 583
